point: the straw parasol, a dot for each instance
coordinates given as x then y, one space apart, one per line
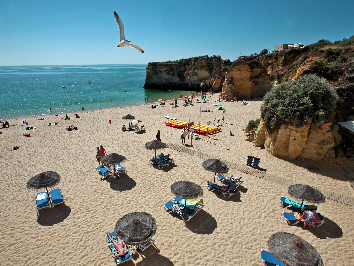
44 180
128 116
186 190
306 192
113 158
216 166
136 227
293 250
154 145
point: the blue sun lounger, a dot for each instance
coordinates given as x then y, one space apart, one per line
160 164
56 196
228 193
42 201
236 181
185 212
114 251
270 258
286 202
105 172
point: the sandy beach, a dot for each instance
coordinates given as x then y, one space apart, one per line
228 231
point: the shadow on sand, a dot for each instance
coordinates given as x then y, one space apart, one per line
151 257
328 230
202 223
52 216
122 183
235 197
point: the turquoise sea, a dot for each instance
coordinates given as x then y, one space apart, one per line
32 90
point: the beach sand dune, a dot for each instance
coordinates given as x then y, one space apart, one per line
226 232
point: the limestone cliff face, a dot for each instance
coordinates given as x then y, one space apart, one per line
247 78
197 73
291 142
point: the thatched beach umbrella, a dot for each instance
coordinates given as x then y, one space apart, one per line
128 116
293 250
216 166
186 190
306 192
134 228
44 180
154 145
112 158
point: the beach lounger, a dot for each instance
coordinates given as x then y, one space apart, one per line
286 202
185 212
228 193
290 218
270 258
119 169
142 246
236 181
114 251
160 164
167 159
195 205
42 201
105 172
56 196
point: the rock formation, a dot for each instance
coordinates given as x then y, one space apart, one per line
197 73
293 142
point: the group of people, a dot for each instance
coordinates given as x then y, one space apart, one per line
309 218
100 153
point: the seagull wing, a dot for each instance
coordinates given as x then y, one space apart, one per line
136 47
120 26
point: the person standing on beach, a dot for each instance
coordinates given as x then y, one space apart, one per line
183 136
158 135
98 156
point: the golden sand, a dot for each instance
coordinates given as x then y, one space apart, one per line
226 232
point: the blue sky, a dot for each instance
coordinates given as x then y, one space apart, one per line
48 32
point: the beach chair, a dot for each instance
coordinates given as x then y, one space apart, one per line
286 202
228 193
167 159
56 196
185 212
290 218
105 172
142 246
270 258
195 205
42 201
119 169
114 251
236 181
160 164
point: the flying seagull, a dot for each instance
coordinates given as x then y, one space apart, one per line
123 41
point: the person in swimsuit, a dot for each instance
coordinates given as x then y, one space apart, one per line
98 156
308 217
120 247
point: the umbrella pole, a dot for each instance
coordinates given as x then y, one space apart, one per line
47 192
214 177
301 204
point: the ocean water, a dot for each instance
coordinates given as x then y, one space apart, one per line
32 90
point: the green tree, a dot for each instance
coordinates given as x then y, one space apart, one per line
308 98
264 52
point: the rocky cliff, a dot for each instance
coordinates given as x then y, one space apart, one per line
197 73
291 142
253 76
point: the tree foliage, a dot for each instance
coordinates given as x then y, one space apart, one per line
309 98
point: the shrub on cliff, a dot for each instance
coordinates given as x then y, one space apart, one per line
309 98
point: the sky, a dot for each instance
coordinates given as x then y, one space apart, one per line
58 32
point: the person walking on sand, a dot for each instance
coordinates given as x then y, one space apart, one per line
103 151
158 135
